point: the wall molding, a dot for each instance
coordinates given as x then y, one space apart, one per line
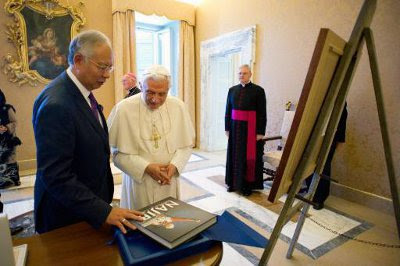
367 199
27 165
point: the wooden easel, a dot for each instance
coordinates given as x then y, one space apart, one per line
332 109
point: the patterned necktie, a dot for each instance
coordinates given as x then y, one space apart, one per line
94 106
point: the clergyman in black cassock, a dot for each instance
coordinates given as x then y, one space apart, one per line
245 122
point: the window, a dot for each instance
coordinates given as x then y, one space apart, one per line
157 43
144 50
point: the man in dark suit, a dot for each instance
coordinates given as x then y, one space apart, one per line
74 181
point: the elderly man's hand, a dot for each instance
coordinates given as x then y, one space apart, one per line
171 170
119 217
158 172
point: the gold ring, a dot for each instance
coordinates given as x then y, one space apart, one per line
123 220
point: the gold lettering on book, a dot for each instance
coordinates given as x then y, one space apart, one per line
155 210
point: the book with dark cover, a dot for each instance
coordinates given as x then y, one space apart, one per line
139 249
172 222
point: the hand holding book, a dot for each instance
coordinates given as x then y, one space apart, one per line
119 217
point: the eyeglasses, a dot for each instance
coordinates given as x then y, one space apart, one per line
103 68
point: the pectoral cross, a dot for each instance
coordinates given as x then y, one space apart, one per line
155 136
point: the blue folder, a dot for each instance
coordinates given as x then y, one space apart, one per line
137 248
230 229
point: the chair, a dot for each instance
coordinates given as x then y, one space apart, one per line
272 158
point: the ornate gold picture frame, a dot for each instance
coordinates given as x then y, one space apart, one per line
41 33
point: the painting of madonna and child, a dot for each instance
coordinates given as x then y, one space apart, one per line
47 42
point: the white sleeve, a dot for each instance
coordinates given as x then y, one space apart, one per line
132 165
181 157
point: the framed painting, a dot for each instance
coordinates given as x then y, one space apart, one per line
327 53
321 103
41 32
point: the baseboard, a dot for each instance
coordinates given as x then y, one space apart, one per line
27 167
367 199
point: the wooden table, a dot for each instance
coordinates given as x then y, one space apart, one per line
80 244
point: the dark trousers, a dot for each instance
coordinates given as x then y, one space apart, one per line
322 192
1 205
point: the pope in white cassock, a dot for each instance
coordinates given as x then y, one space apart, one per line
151 138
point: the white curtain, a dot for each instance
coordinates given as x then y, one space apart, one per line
171 9
124 46
186 79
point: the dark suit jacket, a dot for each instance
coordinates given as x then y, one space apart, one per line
73 181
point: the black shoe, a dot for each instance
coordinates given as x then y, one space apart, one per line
230 189
246 192
318 206
16 230
303 190
6 184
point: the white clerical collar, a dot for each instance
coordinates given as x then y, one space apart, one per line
81 88
244 85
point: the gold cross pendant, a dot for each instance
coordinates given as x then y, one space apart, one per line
155 137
